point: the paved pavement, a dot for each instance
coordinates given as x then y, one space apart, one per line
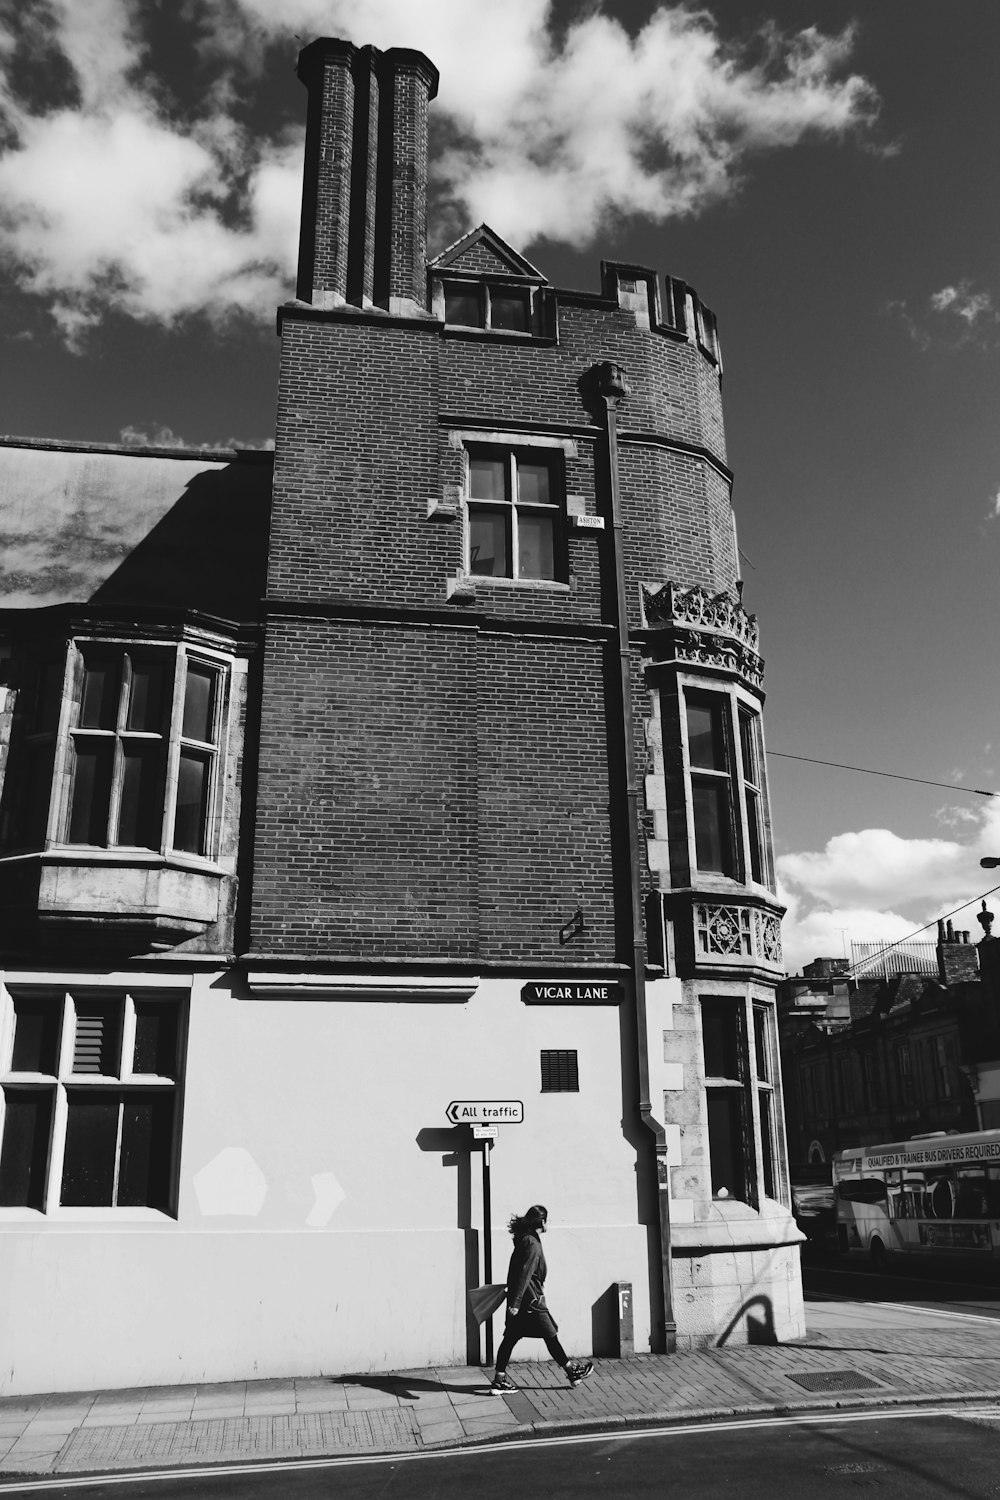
853 1355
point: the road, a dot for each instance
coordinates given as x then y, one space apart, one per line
913 1455
961 1293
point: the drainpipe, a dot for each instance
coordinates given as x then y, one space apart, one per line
613 387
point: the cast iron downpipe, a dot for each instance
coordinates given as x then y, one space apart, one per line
612 387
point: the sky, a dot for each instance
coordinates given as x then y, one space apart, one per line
823 173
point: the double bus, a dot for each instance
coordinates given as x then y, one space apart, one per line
933 1196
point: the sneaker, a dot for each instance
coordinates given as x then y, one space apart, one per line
501 1385
578 1370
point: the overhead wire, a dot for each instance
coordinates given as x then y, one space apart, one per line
951 786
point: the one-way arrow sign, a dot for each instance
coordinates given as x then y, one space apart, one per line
485 1112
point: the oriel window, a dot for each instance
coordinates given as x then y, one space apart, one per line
709 754
144 750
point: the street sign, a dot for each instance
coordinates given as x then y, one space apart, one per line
485 1112
485 1132
572 992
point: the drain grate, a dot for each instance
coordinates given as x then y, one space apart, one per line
835 1380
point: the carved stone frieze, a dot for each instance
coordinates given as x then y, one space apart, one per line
728 933
703 629
671 605
704 650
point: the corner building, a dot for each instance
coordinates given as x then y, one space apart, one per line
464 818
442 851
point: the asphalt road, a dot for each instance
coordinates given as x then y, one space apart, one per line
963 1291
916 1455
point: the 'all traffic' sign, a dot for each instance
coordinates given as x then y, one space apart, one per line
485 1112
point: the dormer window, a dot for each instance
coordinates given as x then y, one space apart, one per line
504 309
482 284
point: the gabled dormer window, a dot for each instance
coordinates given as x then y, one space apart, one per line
482 283
493 306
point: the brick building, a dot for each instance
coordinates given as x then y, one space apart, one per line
869 1057
466 802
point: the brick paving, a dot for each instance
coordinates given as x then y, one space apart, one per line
413 1410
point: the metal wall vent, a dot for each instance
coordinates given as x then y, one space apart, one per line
835 1380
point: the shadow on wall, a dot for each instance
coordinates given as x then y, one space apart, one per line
452 1143
760 1329
208 552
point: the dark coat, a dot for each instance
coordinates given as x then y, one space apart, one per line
526 1290
526 1272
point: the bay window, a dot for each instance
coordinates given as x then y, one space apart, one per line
118 747
724 1043
743 1143
725 767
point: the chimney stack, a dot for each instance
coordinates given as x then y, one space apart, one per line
363 238
958 959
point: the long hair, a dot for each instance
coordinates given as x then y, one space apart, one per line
529 1222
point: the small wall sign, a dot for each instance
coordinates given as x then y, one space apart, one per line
572 992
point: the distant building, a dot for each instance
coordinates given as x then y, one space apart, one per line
870 1057
422 785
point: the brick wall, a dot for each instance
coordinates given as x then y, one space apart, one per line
429 791
442 779
366 830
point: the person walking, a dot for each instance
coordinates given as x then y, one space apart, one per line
527 1315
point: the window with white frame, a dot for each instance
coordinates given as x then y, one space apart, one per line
138 751
739 1075
753 783
514 504
763 1058
723 1030
725 762
89 1110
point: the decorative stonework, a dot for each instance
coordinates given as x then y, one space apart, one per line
724 934
767 936
696 606
723 931
709 630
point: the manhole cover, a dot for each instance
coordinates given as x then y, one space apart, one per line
835 1380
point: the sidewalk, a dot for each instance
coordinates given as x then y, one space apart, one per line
851 1357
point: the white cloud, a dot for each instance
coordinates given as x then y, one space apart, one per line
953 317
962 302
121 197
873 885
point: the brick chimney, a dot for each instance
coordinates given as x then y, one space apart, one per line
958 959
363 238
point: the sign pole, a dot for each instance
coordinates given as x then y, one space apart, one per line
487 1243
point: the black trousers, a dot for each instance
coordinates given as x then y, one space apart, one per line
531 1323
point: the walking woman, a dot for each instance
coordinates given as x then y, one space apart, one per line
527 1315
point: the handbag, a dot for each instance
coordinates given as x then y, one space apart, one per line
484 1300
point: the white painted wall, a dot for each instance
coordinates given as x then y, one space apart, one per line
322 1206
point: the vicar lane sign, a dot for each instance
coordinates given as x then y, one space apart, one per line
572 992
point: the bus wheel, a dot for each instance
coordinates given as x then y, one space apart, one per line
876 1250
